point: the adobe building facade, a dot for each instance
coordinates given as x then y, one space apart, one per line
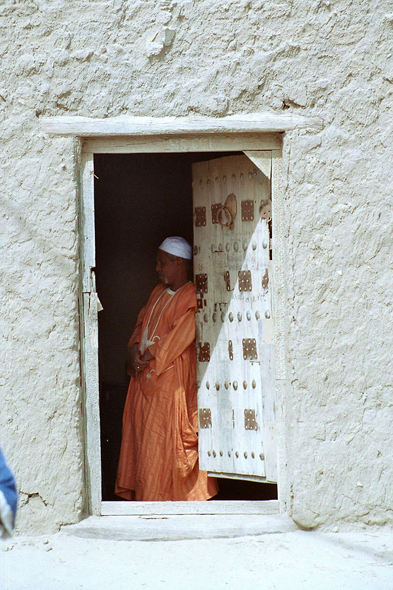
326 62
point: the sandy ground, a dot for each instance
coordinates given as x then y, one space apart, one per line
291 561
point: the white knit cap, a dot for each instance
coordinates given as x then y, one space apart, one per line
177 247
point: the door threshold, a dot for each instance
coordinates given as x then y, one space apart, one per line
175 527
177 508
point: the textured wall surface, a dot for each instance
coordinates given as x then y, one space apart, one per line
326 58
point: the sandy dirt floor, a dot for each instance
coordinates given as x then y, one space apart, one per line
291 561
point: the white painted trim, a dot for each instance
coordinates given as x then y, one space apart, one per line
179 508
144 126
279 300
278 262
223 142
90 337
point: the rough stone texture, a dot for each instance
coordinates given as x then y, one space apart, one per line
39 384
326 58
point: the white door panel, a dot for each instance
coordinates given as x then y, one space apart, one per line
234 320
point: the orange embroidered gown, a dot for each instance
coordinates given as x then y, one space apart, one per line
159 450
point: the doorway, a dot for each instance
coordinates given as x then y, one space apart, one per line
139 200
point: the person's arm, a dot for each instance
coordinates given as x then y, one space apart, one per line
137 333
8 498
134 360
173 344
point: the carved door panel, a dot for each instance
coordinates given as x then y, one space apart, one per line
235 349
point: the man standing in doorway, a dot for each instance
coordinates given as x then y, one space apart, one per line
159 450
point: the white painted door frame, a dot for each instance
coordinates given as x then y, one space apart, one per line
171 135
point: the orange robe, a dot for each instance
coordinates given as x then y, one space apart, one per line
159 450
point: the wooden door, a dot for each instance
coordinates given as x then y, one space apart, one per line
235 348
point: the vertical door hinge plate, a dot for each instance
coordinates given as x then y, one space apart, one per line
205 418
250 422
200 216
201 283
245 280
230 350
215 209
250 349
204 352
247 210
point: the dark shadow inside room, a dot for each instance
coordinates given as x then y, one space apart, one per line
140 199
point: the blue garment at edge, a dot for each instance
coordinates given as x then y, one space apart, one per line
7 484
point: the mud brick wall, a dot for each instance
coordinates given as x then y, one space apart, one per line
326 58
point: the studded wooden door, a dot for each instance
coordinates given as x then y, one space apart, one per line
235 349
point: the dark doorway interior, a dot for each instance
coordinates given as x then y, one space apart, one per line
140 199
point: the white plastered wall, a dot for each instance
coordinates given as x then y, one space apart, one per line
330 60
40 390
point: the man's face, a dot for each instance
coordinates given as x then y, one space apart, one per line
167 269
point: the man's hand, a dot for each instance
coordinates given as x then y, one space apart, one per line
135 363
147 356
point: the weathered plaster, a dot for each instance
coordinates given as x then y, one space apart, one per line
40 398
327 59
